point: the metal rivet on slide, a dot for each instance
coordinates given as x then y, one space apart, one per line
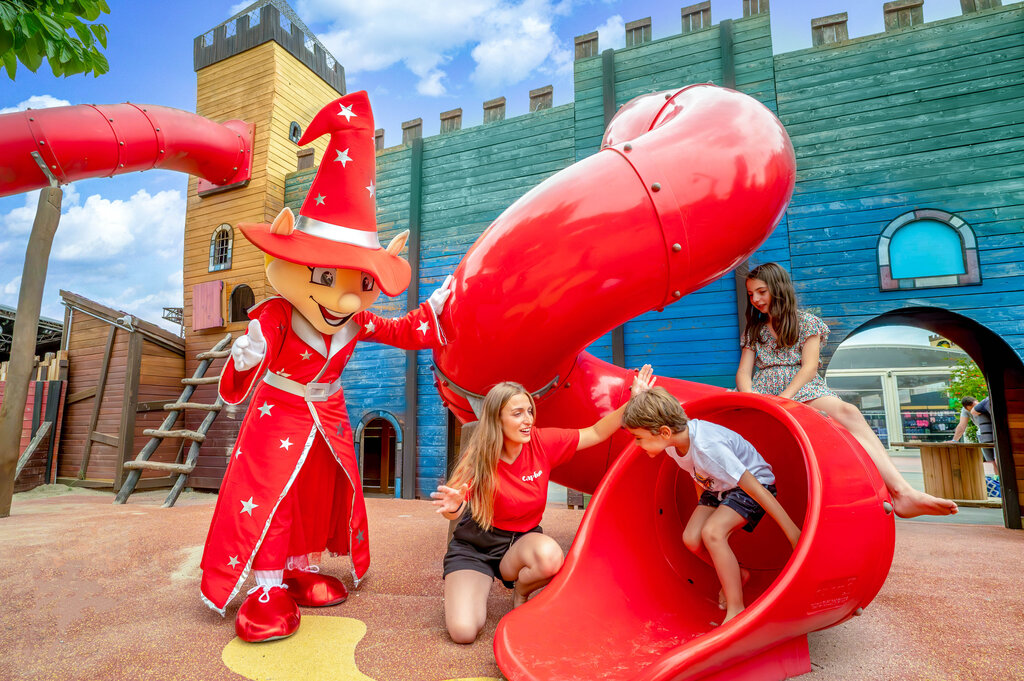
656 187
858 612
627 147
676 294
887 506
676 247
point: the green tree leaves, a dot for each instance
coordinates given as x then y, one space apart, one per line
54 30
966 379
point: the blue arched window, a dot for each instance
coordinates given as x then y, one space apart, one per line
927 248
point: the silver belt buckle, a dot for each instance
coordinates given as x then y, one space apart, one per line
317 392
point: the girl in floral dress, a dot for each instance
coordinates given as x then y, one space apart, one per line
782 355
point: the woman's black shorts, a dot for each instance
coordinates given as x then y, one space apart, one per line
473 548
739 501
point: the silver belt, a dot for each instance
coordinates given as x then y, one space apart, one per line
311 392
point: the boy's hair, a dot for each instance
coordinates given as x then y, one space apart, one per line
654 408
967 401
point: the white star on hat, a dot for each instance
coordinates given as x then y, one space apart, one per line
233 561
265 409
423 327
247 506
372 188
343 157
286 443
370 328
347 112
320 199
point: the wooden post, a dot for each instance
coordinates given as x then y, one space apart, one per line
30 300
129 405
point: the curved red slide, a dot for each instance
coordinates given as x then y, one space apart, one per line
631 602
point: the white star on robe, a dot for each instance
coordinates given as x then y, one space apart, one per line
347 112
319 199
370 328
233 561
238 453
305 355
423 327
286 443
372 188
265 409
247 506
343 157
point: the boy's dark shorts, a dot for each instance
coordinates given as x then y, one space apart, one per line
739 501
473 548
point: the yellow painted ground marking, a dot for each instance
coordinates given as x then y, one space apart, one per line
323 649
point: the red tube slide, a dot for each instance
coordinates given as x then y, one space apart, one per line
686 186
84 141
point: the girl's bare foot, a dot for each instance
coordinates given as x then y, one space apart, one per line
912 503
744 578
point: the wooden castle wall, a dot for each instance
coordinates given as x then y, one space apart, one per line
926 117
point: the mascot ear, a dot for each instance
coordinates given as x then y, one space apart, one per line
398 243
284 223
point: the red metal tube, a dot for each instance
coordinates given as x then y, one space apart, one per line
83 141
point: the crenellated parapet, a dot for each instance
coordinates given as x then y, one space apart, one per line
265 21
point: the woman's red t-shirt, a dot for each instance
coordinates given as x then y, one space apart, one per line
522 486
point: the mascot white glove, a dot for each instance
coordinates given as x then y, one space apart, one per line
247 351
439 296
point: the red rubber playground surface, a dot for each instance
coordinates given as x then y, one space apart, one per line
97 591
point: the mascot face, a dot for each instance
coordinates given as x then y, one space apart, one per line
326 296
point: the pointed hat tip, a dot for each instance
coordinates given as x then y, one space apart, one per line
327 119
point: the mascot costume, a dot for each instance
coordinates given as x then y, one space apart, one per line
292 487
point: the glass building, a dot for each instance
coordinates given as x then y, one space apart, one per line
900 389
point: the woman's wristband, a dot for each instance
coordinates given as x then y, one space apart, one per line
459 510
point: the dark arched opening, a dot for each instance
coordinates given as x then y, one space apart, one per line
378 448
1004 373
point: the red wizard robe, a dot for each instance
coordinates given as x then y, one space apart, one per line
280 428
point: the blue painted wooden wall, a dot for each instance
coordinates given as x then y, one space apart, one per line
928 117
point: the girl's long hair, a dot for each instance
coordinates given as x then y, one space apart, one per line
781 310
478 465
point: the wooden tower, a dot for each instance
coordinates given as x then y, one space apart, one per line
264 67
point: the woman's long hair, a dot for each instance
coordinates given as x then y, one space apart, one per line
478 465
781 310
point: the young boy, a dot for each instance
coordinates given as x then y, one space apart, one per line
735 484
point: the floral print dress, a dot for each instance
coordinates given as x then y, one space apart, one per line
775 367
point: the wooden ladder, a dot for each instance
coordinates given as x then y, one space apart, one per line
157 435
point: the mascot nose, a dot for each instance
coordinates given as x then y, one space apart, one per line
349 303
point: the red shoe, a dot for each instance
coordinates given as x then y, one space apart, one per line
267 615
311 589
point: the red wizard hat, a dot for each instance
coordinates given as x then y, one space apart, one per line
337 224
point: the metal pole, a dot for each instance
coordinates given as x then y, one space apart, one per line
26 321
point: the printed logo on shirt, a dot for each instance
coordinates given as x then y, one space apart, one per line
707 482
531 478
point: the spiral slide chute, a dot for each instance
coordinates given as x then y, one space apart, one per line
686 186
70 143
631 602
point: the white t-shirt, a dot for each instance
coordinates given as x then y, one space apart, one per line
718 457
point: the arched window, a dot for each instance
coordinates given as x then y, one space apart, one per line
221 243
242 299
927 248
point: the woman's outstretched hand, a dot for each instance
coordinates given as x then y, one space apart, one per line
448 499
643 380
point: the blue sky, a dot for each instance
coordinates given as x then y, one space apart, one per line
120 239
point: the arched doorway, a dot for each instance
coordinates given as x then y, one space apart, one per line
378 440
1004 373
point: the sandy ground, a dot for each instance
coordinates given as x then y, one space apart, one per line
97 591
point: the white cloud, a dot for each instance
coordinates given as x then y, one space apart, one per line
176 279
36 102
612 34
102 228
507 40
12 287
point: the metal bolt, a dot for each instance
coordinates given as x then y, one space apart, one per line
54 167
858 612
235 168
888 507
676 247
122 165
667 96
111 120
566 384
42 142
656 187
627 147
445 383
158 129
161 151
677 294
30 118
